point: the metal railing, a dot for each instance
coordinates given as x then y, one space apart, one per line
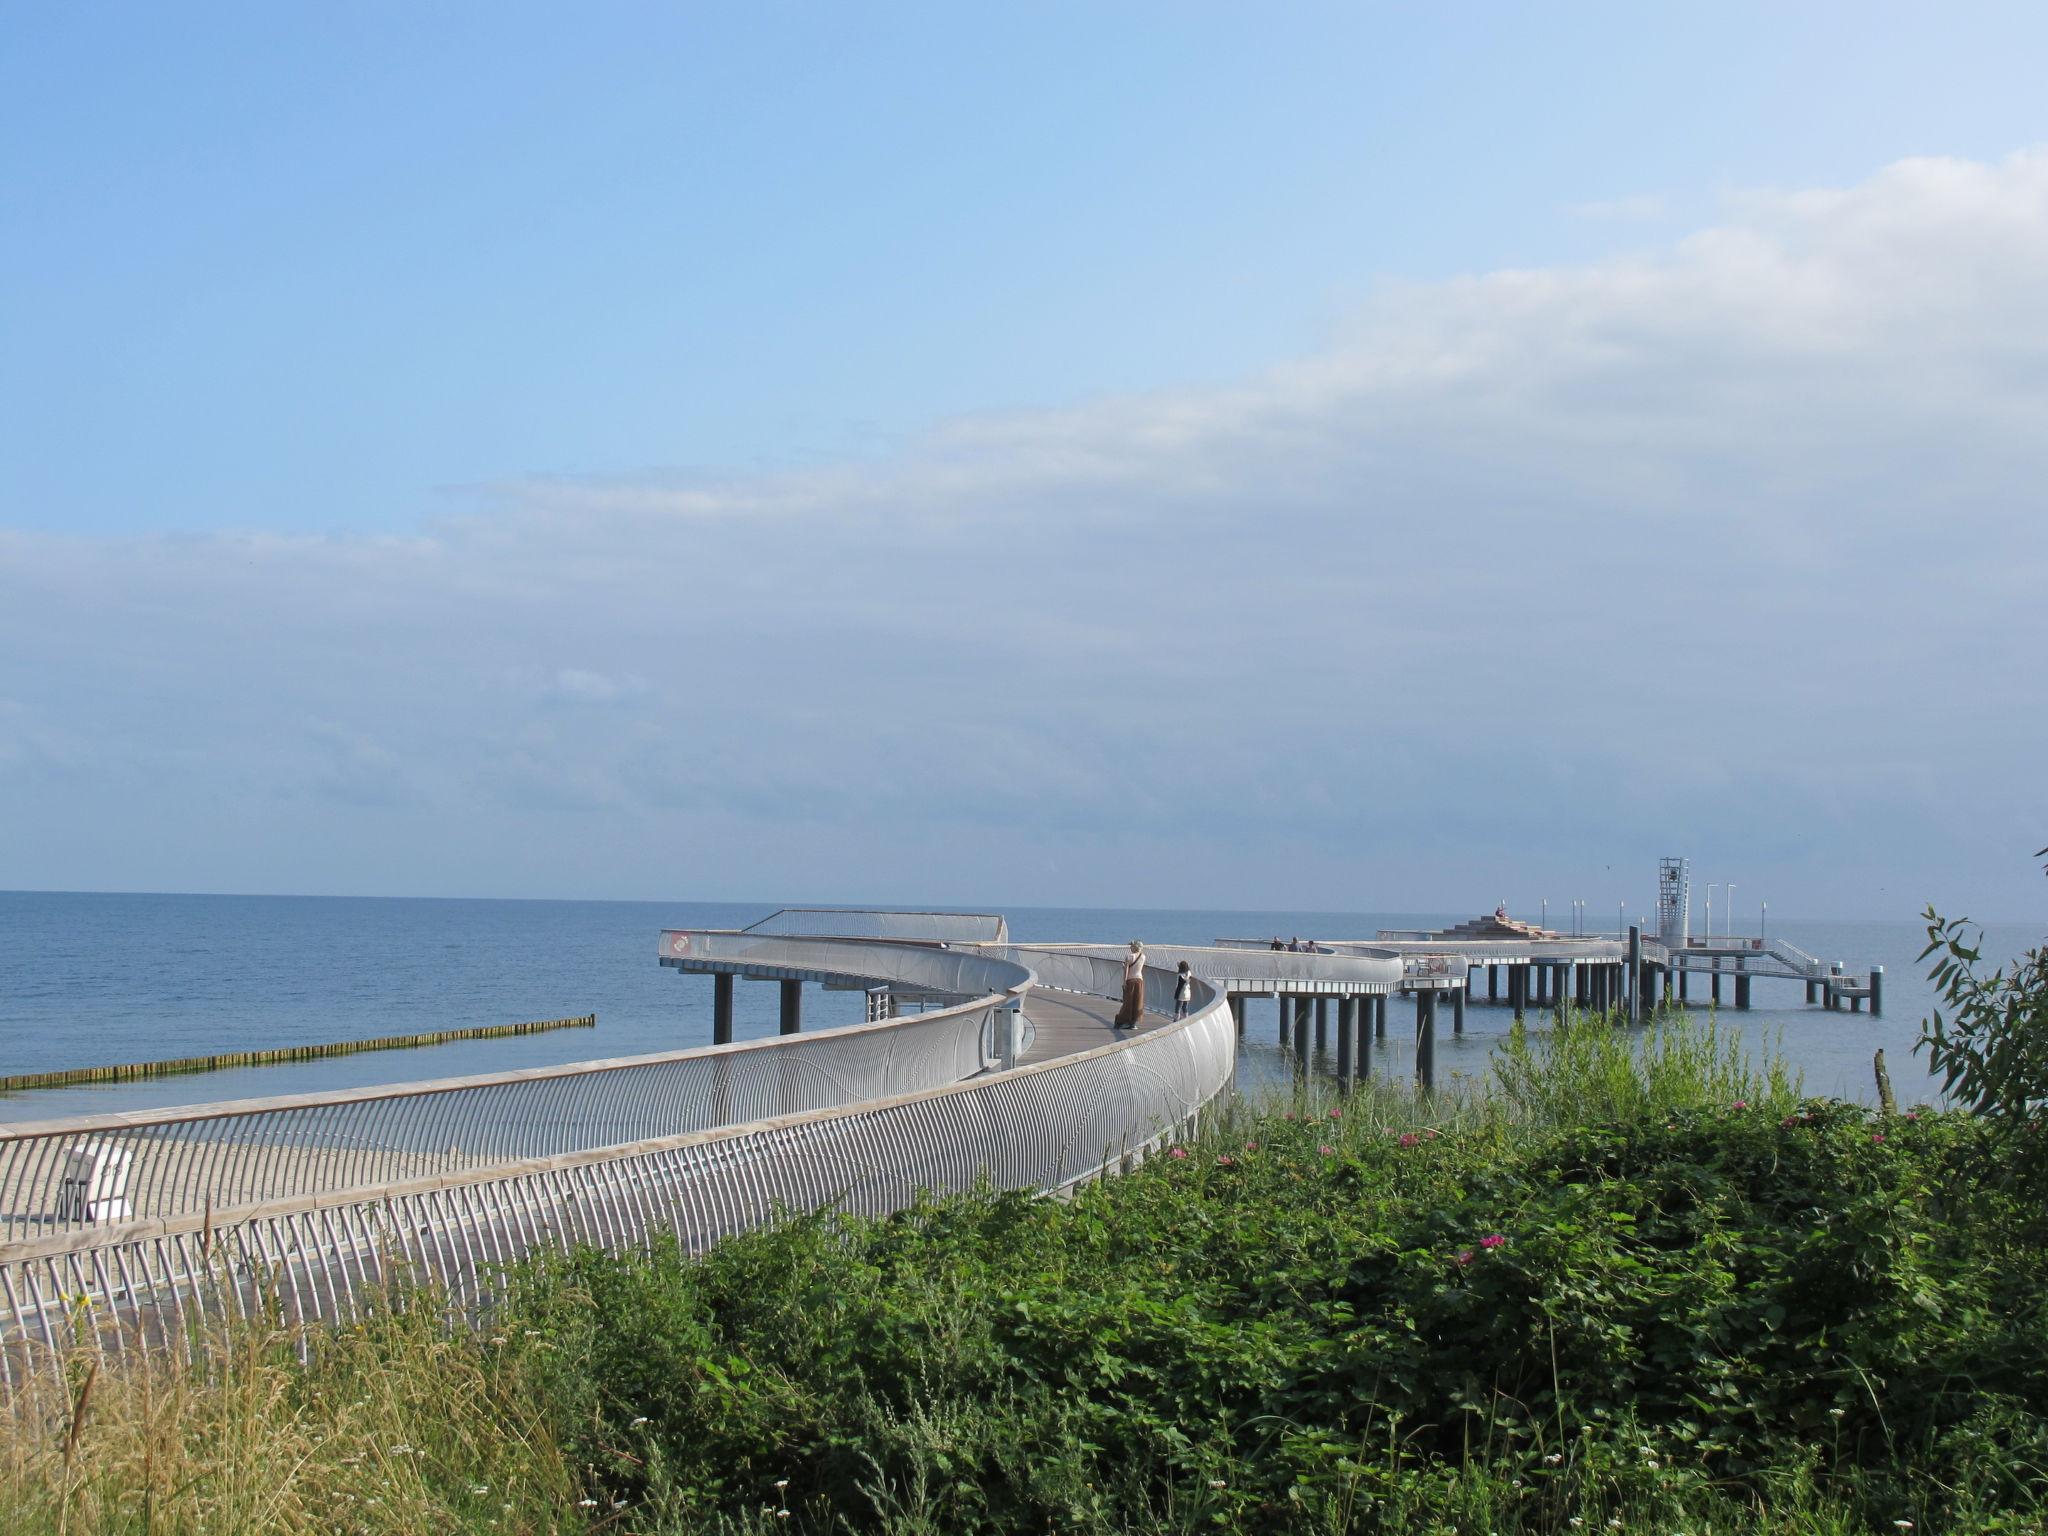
317 1253
871 923
154 1165
1239 968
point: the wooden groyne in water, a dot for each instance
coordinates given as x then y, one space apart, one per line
282 1055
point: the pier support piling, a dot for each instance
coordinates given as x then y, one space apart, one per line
792 1007
1635 973
1741 991
1876 990
1301 1034
721 1009
1347 1019
1458 1012
1425 1039
1322 1023
1493 983
1379 1017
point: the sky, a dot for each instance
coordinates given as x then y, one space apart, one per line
1359 457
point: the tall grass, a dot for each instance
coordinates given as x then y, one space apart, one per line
392 1427
1587 1068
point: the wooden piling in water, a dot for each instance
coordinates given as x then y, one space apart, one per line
127 1072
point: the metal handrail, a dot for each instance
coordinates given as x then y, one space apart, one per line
319 1255
123 1166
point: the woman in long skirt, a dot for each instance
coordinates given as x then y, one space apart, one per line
1134 988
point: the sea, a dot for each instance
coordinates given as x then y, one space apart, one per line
93 979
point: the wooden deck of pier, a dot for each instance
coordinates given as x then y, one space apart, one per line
1068 1023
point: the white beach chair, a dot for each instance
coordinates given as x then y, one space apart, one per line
95 1184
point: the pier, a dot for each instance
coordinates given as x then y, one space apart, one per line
976 1058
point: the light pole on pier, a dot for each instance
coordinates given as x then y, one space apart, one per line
1711 888
1763 921
1544 920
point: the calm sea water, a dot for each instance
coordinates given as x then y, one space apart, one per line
90 979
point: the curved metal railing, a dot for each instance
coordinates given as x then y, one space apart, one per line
315 1253
96 1171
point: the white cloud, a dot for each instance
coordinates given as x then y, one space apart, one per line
1581 543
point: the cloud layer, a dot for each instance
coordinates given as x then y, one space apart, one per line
1735 548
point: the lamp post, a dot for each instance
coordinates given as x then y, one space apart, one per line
1763 921
1544 920
1621 920
1711 888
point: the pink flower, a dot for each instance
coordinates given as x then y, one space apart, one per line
1493 1240
1178 1152
1740 1104
1336 1114
1464 1255
1225 1160
1251 1146
1789 1120
1410 1139
1912 1114
1288 1116
1326 1150
1877 1136
1429 1135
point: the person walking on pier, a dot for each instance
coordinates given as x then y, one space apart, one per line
1183 991
1134 988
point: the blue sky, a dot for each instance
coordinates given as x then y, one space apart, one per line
1033 454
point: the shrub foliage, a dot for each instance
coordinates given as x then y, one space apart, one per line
1330 1320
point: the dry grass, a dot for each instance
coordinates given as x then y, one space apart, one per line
393 1426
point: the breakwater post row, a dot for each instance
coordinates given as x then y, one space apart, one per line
282 1055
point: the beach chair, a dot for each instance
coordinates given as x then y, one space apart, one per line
95 1184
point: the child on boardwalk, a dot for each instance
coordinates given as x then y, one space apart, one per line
1183 991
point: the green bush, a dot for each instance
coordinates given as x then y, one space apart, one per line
1733 1314
1991 1046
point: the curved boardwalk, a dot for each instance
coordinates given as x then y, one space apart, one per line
311 1203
